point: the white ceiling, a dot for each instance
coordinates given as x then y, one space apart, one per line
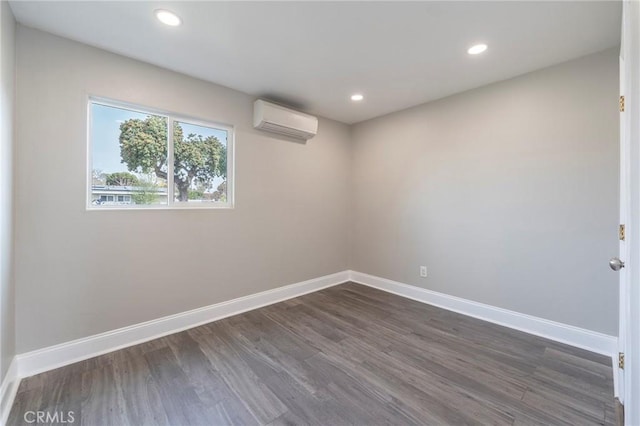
314 55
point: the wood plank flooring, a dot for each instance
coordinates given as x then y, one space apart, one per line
347 355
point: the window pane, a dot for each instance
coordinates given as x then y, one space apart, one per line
200 166
129 157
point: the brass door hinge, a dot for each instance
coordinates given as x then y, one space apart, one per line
621 232
621 103
621 360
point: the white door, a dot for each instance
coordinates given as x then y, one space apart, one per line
618 263
628 378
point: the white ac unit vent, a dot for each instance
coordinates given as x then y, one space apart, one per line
278 119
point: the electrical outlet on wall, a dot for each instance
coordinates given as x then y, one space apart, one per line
423 271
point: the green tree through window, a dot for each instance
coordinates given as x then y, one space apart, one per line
198 159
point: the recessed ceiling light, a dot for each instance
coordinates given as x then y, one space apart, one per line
168 18
476 49
357 97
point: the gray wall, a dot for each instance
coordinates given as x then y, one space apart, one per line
7 95
79 273
508 193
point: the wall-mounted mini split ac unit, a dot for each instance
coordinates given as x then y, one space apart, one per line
278 119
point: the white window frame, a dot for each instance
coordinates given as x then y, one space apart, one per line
171 119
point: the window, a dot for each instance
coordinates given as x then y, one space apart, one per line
134 159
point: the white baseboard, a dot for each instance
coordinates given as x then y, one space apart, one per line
563 333
45 359
8 390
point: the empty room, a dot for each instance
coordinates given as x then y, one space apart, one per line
319 213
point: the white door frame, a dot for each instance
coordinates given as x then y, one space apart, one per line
629 333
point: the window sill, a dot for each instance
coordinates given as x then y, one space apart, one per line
161 207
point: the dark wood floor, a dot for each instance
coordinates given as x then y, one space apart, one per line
341 356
